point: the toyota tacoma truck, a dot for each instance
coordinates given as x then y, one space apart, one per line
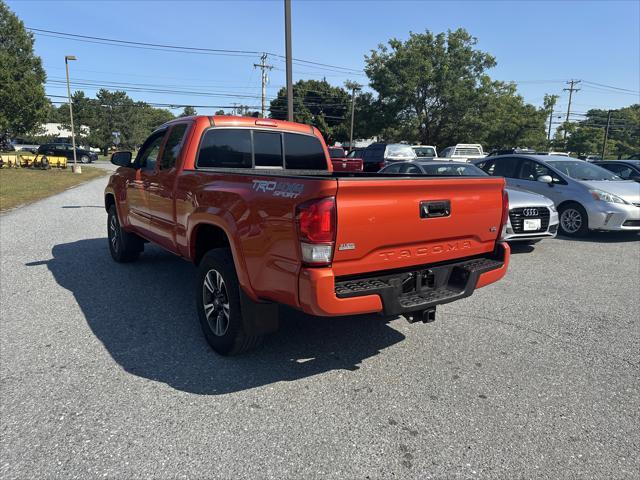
256 205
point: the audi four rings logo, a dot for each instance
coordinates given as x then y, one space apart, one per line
530 212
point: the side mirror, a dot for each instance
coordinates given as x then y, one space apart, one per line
121 159
545 179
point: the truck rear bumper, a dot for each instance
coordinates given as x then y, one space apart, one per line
398 292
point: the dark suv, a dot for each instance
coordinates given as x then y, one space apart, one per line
377 155
66 150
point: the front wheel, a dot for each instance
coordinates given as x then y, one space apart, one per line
124 246
218 304
574 221
84 159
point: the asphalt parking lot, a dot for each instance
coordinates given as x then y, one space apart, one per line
104 371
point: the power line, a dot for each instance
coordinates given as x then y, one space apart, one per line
182 48
611 87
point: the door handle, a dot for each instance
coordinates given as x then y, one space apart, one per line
435 208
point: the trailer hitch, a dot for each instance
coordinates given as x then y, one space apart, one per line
424 316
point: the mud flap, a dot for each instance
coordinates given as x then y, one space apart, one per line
258 318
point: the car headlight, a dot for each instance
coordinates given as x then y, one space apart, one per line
606 196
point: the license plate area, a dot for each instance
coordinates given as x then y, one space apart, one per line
418 281
532 224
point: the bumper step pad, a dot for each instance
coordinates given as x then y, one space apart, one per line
421 288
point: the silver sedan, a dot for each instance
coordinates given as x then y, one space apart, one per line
588 197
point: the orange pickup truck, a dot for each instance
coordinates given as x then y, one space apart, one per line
256 205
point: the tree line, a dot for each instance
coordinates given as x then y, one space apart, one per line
432 88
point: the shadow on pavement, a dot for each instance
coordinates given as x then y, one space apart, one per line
517 248
605 237
144 314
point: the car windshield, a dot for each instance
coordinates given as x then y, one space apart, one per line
336 152
424 151
581 170
400 150
452 169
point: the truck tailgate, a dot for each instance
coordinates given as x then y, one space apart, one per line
383 223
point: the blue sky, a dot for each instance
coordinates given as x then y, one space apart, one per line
539 44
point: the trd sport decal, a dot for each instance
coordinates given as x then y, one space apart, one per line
279 189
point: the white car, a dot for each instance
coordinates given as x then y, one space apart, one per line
532 217
463 152
425 151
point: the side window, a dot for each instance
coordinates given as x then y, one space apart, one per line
408 168
173 146
267 149
530 170
504 167
148 154
303 152
225 148
394 168
621 170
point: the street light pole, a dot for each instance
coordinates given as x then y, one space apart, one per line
75 168
354 88
287 41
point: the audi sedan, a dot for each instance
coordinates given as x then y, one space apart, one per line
532 217
587 197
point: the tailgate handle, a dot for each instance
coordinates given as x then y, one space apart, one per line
435 208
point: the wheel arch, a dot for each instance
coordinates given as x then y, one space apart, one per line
207 235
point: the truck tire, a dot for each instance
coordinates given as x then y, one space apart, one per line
574 221
218 304
124 246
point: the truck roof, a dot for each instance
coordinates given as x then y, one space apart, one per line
235 121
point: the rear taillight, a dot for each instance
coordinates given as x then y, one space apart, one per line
505 213
316 221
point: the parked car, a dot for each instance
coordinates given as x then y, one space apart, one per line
425 151
532 217
463 152
509 151
587 196
625 169
66 150
250 201
554 154
341 163
376 155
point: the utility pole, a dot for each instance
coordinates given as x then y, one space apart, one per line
75 168
606 135
550 123
571 89
287 41
265 78
354 88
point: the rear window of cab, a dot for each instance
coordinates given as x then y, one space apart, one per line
249 148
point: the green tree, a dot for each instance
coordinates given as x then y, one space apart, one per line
188 111
23 104
317 103
585 140
220 112
433 89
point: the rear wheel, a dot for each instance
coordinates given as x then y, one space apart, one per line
124 246
574 221
218 304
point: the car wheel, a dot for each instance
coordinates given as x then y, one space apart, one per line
574 221
124 246
84 159
218 305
